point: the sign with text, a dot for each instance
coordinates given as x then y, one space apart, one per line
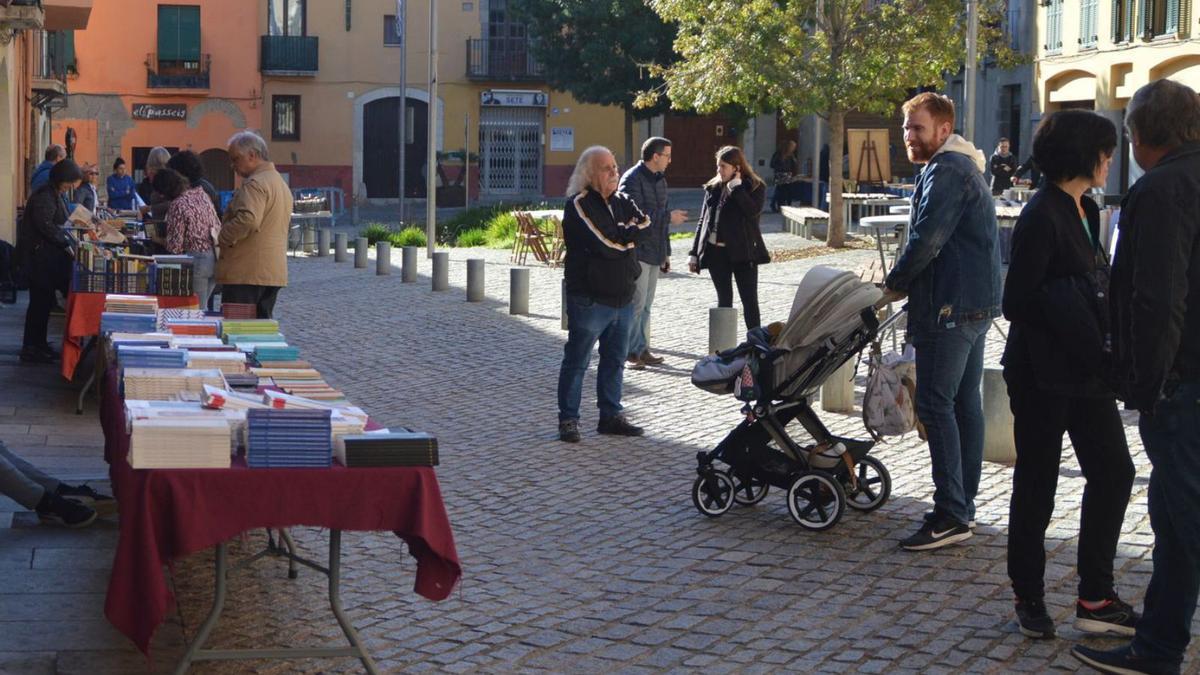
512 97
562 139
160 111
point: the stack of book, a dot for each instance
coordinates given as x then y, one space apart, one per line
389 449
229 363
200 343
171 314
165 384
288 438
150 357
269 352
120 322
173 274
172 443
238 310
131 304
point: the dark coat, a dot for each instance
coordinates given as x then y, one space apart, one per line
601 260
1056 297
1156 280
735 221
42 244
1002 168
649 191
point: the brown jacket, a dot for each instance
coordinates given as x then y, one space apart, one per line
254 231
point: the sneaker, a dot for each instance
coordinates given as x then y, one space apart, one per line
1033 620
650 359
1115 617
66 512
937 533
568 431
103 504
930 515
35 355
618 426
1123 661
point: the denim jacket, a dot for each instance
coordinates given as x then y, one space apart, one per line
951 265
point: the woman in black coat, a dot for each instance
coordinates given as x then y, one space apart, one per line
1054 363
728 242
45 251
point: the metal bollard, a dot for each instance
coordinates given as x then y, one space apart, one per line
441 270
518 290
323 237
998 443
722 328
475 280
408 264
837 393
339 247
361 247
383 258
564 304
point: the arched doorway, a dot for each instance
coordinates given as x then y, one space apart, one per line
381 147
217 168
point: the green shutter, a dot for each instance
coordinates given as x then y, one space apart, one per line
1115 6
189 33
168 33
1143 19
68 51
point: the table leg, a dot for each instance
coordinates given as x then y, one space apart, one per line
87 384
335 600
213 615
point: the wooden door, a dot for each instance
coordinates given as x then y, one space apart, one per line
695 140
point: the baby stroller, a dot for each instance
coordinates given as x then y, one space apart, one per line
832 319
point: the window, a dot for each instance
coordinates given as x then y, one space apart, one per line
1160 17
390 36
1122 20
1053 26
285 118
1015 24
286 17
1088 11
179 36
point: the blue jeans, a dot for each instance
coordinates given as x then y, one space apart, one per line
949 404
643 297
1172 438
587 322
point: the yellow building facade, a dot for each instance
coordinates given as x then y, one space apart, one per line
331 95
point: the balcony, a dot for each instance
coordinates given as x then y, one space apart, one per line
502 59
21 15
67 14
162 74
288 55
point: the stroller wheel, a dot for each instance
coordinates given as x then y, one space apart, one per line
816 500
748 489
712 493
874 485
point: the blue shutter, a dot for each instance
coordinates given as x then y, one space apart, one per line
1172 23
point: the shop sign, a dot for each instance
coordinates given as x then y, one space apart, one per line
512 97
160 111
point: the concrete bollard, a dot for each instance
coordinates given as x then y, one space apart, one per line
837 393
475 280
383 258
339 247
361 247
308 239
722 328
323 237
441 270
564 304
998 443
408 264
518 290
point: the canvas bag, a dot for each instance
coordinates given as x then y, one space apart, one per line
888 408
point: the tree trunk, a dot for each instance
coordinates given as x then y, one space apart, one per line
836 236
629 160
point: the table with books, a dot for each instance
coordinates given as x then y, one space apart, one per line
214 427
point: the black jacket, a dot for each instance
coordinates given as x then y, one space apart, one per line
1056 297
1002 169
735 221
45 212
1156 280
648 190
601 261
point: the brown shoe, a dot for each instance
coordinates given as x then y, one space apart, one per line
650 359
635 363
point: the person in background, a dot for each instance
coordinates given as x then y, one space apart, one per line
254 232
1155 305
1003 165
1035 175
646 185
44 251
1054 362
192 226
119 187
155 206
188 163
786 166
85 195
728 242
53 500
55 153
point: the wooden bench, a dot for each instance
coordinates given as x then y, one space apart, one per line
799 220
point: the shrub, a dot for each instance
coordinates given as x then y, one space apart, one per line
475 236
409 236
501 229
376 232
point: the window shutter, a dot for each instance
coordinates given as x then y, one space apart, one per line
189 33
1143 19
1172 24
168 33
1116 19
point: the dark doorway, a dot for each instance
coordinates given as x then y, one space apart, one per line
694 143
217 169
381 151
139 161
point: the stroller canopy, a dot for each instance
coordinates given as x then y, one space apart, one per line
827 304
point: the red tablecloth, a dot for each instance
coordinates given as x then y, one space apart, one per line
83 321
168 514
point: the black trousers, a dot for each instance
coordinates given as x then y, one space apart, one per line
1094 425
723 272
50 271
262 297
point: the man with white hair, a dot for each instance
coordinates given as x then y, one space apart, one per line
601 227
254 232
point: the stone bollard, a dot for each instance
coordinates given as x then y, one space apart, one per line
323 237
441 270
475 280
837 393
408 264
339 247
383 258
722 328
361 247
518 290
564 304
308 239
998 444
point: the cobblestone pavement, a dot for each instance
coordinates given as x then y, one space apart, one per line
591 558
